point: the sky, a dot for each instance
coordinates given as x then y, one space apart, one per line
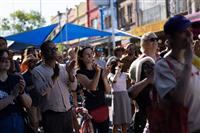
48 7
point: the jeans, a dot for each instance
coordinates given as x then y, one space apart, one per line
13 123
57 122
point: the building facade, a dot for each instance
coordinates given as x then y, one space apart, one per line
127 15
93 15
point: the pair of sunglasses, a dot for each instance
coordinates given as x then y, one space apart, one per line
153 39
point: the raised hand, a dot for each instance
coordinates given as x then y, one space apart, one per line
56 71
96 67
15 92
22 84
71 66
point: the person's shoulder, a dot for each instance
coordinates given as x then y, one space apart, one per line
162 65
37 68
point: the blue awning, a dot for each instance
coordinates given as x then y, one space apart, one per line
16 46
72 31
67 33
34 37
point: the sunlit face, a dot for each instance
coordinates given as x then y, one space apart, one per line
88 56
4 62
153 45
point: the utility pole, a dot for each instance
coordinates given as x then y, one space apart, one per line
113 21
167 8
59 22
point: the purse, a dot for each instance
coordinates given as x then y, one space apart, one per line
100 114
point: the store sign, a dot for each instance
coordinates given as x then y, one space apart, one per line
101 2
154 27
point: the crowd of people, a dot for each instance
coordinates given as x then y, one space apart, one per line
152 91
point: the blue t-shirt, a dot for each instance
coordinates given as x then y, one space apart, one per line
5 89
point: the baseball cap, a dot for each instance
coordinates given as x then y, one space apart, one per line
176 23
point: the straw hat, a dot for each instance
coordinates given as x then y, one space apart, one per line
28 58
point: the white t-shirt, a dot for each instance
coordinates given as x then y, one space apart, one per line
166 80
120 85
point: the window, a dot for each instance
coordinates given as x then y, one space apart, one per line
107 22
122 20
95 23
130 12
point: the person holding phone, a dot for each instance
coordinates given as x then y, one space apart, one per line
95 82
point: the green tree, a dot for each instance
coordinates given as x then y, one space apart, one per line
21 21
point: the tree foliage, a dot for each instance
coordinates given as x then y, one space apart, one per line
20 21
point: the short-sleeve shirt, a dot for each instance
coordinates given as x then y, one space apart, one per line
6 88
120 84
93 99
166 80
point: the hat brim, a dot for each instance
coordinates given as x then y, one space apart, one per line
185 26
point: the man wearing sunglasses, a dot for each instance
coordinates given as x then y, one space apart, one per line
53 81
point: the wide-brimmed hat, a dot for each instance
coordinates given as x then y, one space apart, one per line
28 58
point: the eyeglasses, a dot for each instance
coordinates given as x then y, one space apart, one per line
4 59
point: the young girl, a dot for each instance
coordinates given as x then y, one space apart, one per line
121 102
